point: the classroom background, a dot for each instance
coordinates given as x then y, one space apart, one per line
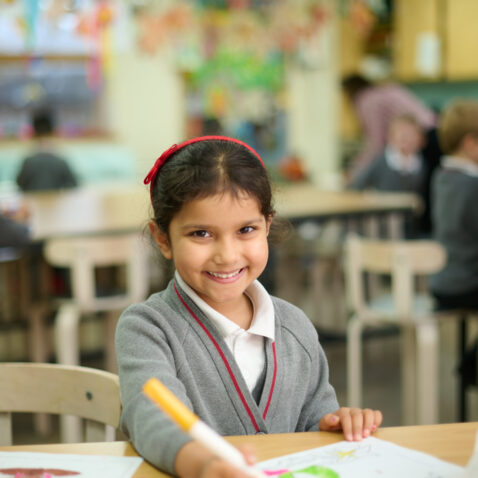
127 79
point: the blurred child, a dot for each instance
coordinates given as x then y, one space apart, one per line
243 361
454 207
44 169
14 230
401 167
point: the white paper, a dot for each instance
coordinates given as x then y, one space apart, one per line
471 469
366 459
84 466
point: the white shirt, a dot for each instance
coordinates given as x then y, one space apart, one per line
464 165
396 161
247 346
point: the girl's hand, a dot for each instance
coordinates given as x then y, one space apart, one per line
356 423
194 461
218 468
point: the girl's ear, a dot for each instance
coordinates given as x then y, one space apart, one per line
161 239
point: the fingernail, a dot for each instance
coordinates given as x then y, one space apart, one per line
374 427
358 437
334 418
366 433
349 437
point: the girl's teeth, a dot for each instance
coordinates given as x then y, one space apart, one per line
223 276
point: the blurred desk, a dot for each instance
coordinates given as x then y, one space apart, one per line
304 201
450 442
308 268
88 210
101 209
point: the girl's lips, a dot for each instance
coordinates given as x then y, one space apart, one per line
226 276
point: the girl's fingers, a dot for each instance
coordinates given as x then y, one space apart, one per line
357 423
368 422
347 426
354 422
330 422
378 419
248 453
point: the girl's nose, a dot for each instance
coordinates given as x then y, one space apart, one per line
226 251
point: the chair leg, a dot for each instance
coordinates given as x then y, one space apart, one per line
38 347
66 335
427 354
408 374
354 363
110 325
67 352
70 429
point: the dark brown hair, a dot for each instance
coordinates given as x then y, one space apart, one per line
206 168
353 84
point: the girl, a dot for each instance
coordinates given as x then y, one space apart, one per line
243 361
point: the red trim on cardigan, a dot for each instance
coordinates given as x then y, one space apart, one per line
228 367
273 381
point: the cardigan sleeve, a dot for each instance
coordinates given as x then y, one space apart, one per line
143 352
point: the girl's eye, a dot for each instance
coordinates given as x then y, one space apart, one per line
246 229
201 233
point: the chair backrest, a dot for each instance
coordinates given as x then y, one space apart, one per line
402 260
83 254
60 389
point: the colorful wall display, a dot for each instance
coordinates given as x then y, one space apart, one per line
233 55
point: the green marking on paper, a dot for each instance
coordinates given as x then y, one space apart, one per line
314 470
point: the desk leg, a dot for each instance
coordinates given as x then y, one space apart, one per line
395 226
462 342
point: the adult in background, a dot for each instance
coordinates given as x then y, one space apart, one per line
44 169
376 106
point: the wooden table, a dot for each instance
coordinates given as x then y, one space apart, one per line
450 442
304 201
88 210
117 208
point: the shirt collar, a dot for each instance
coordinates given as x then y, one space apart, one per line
461 164
262 321
395 161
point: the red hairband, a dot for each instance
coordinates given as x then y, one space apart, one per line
176 147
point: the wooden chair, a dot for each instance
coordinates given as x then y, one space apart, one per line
82 255
404 307
60 389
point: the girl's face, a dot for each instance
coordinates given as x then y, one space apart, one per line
219 247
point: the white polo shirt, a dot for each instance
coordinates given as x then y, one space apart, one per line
395 160
464 165
247 346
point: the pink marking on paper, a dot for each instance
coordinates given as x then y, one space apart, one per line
274 472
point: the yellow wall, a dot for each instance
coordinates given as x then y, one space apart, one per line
145 105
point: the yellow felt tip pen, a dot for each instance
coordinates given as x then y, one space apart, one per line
190 423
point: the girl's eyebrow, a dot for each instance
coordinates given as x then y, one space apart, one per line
208 226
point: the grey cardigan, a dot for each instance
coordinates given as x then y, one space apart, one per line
168 337
455 225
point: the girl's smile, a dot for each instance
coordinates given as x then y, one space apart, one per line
225 276
219 247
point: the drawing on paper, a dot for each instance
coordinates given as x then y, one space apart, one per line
36 472
371 458
311 471
51 465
